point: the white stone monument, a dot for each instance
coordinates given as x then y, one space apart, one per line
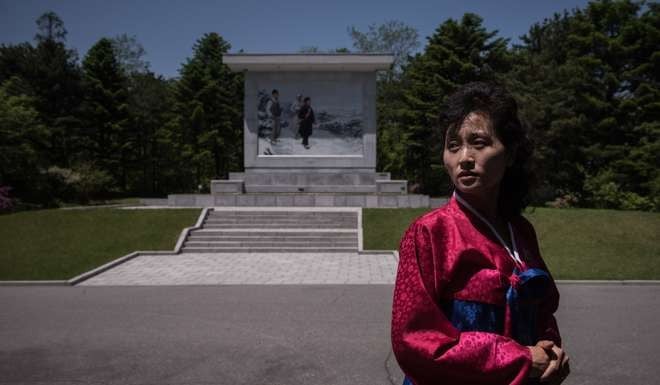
292 159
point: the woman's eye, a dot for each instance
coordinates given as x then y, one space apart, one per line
452 146
480 143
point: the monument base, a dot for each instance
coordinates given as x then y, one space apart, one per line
299 200
317 188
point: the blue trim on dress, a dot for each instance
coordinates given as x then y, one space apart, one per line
474 316
523 298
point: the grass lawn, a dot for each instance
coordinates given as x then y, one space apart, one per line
575 243
60 244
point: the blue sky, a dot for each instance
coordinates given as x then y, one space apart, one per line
168 29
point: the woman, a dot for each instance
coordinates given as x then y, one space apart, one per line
474 301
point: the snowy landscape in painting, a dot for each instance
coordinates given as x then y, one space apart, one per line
338 128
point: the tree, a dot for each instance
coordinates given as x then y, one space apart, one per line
150 102
54 77
51 28
17 60
130 54
392 36
589 85
309 49
108 141
315 49
22 137
458 52
209 102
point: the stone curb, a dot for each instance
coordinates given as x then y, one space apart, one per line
100 269
34 283
187 230
118 261
630 282
110 206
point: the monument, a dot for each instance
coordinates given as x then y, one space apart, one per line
309 135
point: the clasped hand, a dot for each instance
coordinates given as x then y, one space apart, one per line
549 362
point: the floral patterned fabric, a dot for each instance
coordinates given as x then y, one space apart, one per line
463 311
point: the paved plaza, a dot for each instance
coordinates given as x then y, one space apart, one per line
251 268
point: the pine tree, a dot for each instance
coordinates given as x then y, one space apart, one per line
150 111
209 105
55 78
105 113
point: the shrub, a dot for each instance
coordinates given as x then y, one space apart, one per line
606 193
82 183
6 202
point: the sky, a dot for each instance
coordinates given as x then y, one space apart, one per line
168 29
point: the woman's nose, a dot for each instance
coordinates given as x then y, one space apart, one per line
466 160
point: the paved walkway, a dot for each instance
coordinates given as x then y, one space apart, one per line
251 268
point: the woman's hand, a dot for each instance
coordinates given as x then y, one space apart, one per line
549 362
541 359
563 369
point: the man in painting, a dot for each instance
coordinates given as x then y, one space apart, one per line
275 113
306 117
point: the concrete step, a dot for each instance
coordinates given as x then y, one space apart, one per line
301 249
275 232
280 218
300 223
263 237
280 214
294 225
275 244
260 235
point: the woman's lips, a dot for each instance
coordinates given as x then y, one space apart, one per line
467 174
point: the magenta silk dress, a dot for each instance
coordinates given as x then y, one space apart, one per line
463 310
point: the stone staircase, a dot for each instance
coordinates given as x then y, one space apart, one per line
265 230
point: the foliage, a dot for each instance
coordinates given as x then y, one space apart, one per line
392 36
209 105
85 181
588 85
6 202
22 140
51 28
107 136
130 54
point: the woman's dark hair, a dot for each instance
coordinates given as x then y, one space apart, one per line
498 105
306 99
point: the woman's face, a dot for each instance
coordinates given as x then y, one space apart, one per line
475 158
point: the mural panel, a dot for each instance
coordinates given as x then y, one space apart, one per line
310 118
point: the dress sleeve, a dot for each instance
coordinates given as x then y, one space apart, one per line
427 347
